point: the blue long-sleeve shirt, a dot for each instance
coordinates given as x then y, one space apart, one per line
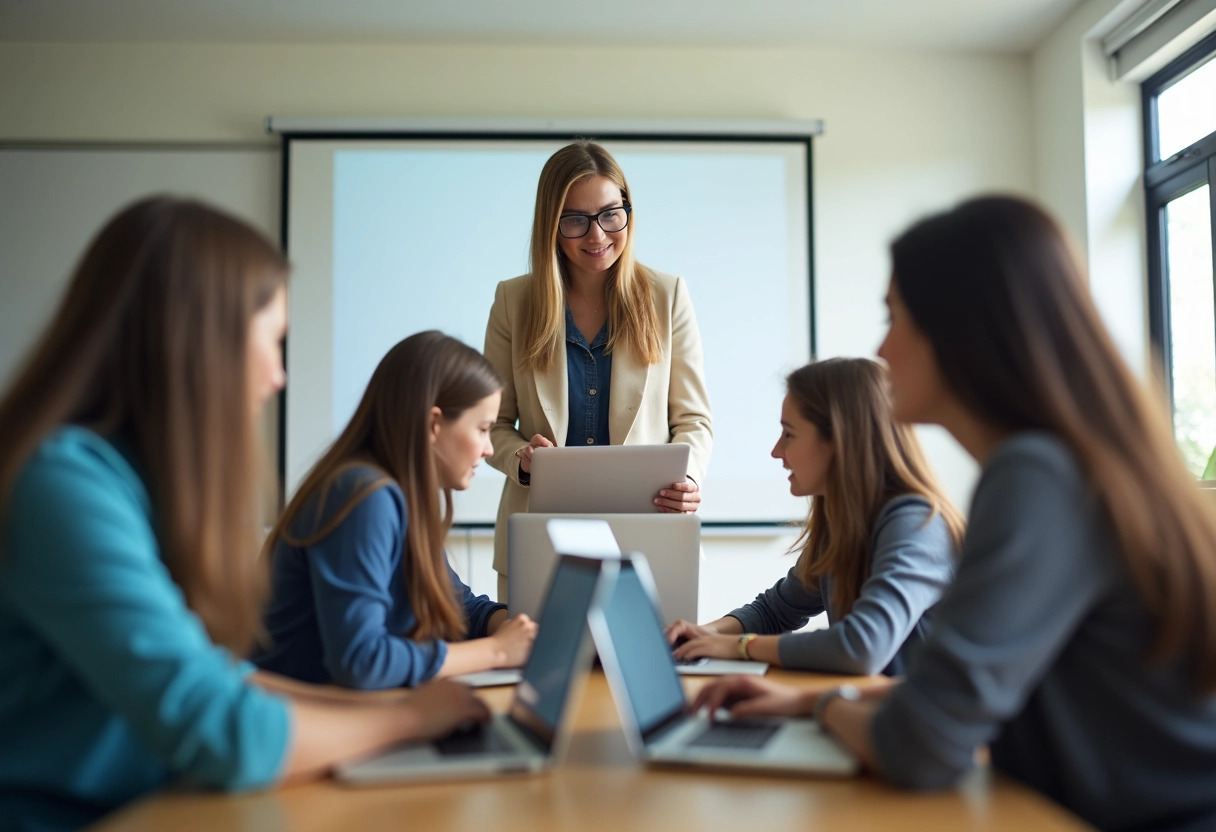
911 563
111 687
340 608
1039 649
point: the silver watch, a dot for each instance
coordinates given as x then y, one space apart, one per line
849 692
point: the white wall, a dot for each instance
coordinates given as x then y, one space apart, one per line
1089 163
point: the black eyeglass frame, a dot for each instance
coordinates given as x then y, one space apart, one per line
596 218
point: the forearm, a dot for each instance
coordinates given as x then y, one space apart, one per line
472 656
727 625
849 723
327 733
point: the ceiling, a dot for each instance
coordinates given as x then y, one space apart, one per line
965 25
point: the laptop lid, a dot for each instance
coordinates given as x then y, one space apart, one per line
561 649
636 657
671 543
605 478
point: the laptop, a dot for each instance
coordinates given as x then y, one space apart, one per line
604 479
671 543
531 734
653 709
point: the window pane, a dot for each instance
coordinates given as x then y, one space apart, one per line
1192 325
1186 111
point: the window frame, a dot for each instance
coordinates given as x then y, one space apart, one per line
1164 181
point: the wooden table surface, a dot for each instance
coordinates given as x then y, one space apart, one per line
598 786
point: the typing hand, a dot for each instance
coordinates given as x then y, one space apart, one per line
681 498
751 696
681 631
709 647
514 640
439 707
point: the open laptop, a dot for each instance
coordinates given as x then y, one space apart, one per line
531 734
653 708
604 478
670 542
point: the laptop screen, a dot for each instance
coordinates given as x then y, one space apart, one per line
551 664
646 666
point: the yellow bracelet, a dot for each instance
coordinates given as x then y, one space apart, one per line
745 640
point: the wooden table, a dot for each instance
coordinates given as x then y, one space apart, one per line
599 788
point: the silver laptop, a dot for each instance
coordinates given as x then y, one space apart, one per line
653 709
605 478
532 733
671 542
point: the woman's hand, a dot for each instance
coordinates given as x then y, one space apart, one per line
513 640
682 631
709 647
750 696
681 498
440 707
525 453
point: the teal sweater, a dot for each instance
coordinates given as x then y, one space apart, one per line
111 686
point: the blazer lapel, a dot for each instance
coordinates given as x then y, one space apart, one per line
552 388
628 384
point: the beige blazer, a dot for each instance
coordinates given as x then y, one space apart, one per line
648 405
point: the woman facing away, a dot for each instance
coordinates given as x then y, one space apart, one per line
1078 640
594 348
129 577
363 595
879 545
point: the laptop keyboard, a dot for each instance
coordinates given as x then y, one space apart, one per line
736 734
699 660
478 739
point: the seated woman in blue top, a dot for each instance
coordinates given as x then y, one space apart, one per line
363 595
878 548
1078 640
128 572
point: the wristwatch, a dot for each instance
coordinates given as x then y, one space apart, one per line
745 640
848 692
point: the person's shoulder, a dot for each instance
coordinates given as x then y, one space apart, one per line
909 515
668 284
1036 455
515 286
72 460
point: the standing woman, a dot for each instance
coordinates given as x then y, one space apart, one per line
878 548
129 576
594 347
363 595
1078 640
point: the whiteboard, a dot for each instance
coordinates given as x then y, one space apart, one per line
393 236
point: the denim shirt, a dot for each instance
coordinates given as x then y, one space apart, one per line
589 377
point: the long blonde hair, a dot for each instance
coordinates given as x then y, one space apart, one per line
995 287
390 431
632 318
874 460
149 345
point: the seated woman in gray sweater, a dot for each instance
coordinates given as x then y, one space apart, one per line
878 548
1078 640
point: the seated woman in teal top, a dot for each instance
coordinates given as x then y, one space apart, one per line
363 595
878 547
129 581
1078 640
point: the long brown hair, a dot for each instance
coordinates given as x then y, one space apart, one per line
632 318
149 345
997 290
874 460
390 430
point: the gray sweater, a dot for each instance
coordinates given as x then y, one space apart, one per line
1039 650
911 563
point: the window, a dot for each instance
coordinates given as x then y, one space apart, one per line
1180 184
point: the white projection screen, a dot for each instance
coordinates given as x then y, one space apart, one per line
394 235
